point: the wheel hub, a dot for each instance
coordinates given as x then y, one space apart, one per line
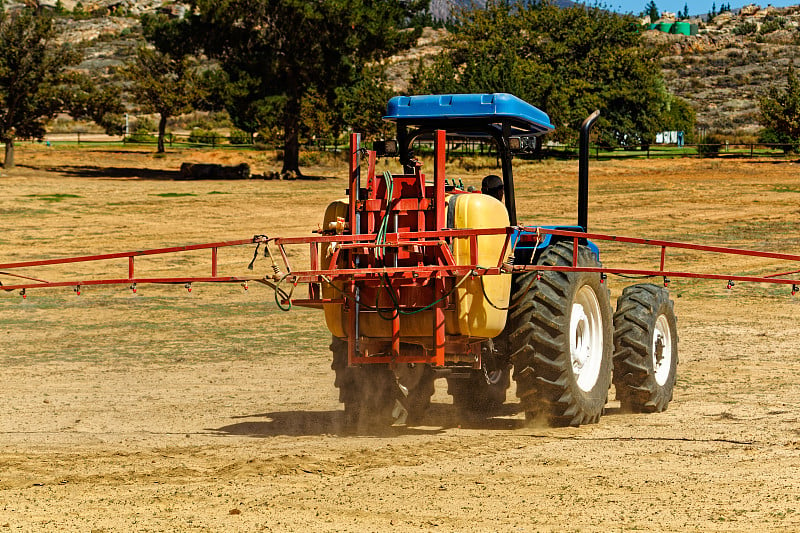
586 338
662 350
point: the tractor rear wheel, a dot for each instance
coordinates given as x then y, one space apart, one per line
346 380
645 348
561 339
374 395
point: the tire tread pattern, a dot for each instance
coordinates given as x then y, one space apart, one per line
372 396
539 338
634 321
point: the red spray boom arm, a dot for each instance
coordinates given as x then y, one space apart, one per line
315 274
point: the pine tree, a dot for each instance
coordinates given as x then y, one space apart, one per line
651 10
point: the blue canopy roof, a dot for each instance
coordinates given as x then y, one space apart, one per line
496 108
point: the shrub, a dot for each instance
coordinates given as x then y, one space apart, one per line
745 28
199 136
205 120
772 25
141 138
144 125
710 146
783 140
141 131
240 137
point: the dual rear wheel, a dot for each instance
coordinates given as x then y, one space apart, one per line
565 344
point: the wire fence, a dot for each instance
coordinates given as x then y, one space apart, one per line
455 147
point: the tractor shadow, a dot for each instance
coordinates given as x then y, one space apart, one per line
94 172
447 416
139 173
439 418
309 423
290 423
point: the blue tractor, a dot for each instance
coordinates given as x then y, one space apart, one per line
549 319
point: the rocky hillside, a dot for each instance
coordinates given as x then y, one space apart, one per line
100 7
108 30
442 10
724 69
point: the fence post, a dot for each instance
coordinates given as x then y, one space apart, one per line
751 150
79 138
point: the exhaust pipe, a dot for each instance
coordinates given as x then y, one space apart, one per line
583 170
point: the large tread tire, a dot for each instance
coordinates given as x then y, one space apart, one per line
416 383
347 380
483 392
557 378
375 396
645 348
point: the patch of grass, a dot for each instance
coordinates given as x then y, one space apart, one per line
785 188
218 192
774 231
157 328
53 197
173 194
26 212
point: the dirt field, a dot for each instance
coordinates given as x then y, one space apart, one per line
214 411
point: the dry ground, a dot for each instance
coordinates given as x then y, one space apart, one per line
214 411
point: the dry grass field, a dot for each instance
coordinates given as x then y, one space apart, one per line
214 411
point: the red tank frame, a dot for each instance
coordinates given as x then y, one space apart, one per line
412 208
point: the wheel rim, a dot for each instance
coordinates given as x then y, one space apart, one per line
662 350
586 338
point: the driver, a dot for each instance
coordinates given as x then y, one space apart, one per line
493 186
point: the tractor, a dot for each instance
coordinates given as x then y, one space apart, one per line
422 278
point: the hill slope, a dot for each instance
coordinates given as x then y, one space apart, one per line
726 68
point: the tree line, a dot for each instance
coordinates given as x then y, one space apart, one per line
299 68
